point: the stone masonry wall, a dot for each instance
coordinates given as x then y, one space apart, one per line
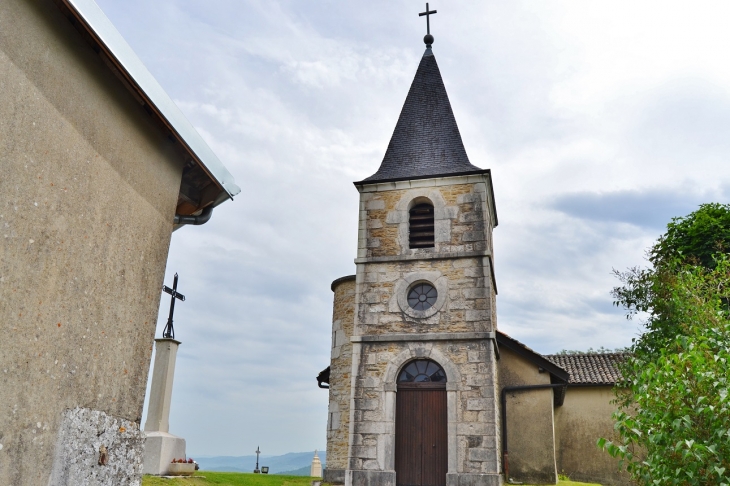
472 415
338 420
453 332
462 223
467 306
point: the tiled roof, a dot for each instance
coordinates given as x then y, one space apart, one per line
426 141
590 369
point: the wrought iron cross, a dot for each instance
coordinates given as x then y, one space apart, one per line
169 332
427 13
257 451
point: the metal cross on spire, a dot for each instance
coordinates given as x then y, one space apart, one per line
428 39
169 332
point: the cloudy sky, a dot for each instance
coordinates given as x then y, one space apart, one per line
600 121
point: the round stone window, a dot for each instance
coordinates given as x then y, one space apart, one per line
422 296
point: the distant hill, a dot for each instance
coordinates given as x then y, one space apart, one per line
303 471
288 463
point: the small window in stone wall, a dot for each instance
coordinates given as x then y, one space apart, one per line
420 226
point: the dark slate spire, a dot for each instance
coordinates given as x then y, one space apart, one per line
426 141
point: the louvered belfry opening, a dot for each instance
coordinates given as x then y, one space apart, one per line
420 233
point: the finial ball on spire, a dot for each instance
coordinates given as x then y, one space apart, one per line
428 40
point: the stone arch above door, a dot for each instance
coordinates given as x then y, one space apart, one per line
424 350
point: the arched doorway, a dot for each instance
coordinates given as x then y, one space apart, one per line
421 449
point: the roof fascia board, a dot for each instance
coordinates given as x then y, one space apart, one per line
532 356
415 178
131 67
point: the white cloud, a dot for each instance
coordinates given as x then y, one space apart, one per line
583 111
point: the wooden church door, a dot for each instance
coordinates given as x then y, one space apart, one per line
421 451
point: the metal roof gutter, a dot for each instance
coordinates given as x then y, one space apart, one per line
130 67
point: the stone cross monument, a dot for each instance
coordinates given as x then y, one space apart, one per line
161 447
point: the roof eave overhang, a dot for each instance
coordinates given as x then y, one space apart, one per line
138 79
518 348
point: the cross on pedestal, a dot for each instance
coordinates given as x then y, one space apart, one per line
169 332
257 451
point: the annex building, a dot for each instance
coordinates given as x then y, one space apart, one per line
423 387
97 168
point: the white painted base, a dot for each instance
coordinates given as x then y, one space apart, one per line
160 448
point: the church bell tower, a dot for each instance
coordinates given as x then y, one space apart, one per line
413 369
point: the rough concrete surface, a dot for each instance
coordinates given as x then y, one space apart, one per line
530 424
586 415
88 192
81 435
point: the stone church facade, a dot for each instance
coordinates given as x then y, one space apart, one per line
418 368
377 327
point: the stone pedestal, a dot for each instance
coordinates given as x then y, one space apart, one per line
161 447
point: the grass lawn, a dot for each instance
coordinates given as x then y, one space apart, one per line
567 482
250 479
229 479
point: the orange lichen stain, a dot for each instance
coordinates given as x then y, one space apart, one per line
125 372
59 324
122 429
20 315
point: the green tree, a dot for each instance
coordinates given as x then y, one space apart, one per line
674 412
694 239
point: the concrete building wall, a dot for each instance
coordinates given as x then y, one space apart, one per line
585 417
338 420
87 195
530 426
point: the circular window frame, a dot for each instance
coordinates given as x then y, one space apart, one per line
404 286
421 298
